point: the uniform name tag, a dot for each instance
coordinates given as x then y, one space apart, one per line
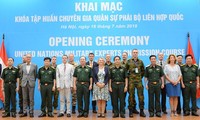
136 70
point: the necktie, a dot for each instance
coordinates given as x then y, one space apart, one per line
160 63
91 65
64 67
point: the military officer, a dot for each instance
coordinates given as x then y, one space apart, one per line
118 85
74 95
55 92
190 84
46 84
136 69
82 86
154 82
10 77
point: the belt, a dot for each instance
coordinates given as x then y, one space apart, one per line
154 83
191 81
10 83
46 84
118 82
83 83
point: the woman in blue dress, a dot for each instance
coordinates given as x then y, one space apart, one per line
173 75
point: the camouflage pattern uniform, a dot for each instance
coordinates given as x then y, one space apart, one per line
55 93
136 71
74 96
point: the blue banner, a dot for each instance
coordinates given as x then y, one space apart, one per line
53 28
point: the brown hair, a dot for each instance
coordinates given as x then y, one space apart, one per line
168 59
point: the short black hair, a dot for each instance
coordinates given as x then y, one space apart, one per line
179 56
116 57
152 56
47 58
91 54
11 58
188 55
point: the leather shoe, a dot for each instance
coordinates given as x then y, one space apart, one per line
42 115
115 115
20 111
142 114
158 114
85 115
178 112
135 111
165 112
122 115
13 115
6 115
80 115
194 114
23 115
61 115
68 115
94 111
151 115
50 115
130 113
186 114
31 115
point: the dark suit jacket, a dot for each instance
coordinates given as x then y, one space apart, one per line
95 77
95 64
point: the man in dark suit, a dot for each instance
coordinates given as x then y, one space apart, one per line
92 64
29 74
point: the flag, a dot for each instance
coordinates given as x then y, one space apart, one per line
3 62
198 90
190 50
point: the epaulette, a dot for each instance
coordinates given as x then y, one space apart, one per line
195 65
148 65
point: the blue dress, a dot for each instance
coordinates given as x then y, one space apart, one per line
173 72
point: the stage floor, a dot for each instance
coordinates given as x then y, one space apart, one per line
108 117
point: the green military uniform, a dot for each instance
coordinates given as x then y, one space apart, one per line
153 75
110 66
124 65
9 77
189 74
118 76
83 75
55 93
136 72
47 77
74 95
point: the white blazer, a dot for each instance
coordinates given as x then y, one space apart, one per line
64 79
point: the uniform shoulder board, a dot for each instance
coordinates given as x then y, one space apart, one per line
196 65
15 67
158 64
182 65
148 65
52 67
